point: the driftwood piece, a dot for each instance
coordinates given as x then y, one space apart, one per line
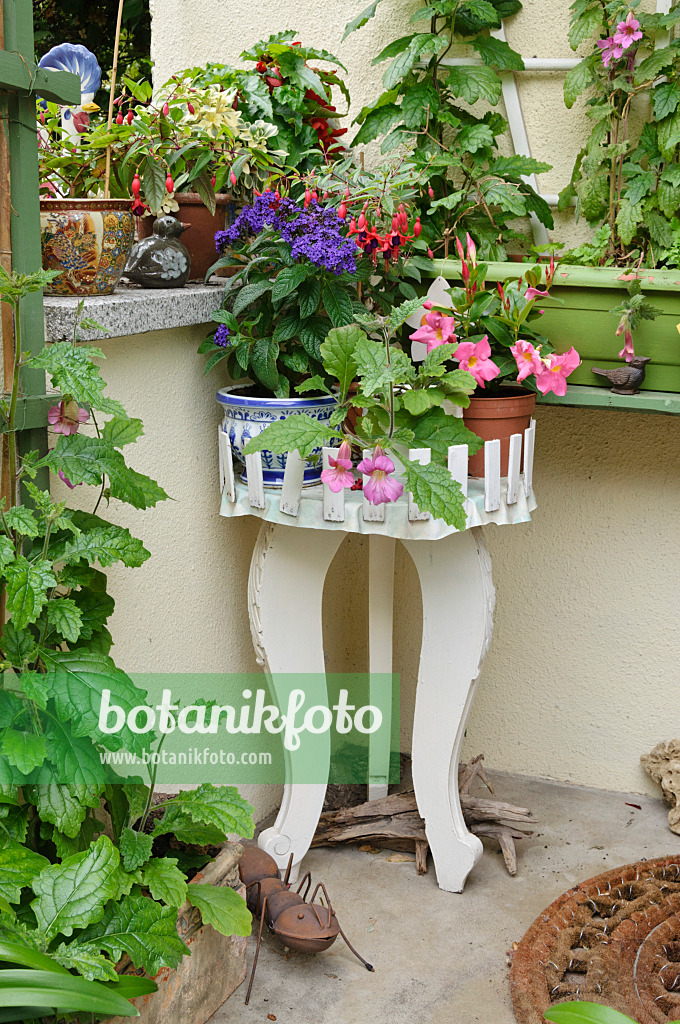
394 821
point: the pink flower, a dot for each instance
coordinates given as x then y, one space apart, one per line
477 360
527 358
436 330
611 50
555 371
62 476
627 352
340 473
66 417
379 489
533 293
628 31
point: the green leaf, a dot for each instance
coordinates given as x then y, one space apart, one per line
668 196
653 65
418 104
31 990
497 53
286 328
35 687
475 137
433 363
220 806
22 521
120 431
288 279
420 44
23 750
165 881
86 459
65 617
92 966
586 25
73 373
419 401
153 180
660 230
18 645
27 587
315 383
6 551
19 866
506 195
140 927
378 122
338 304
627 220
337 352
20 953
75 759
135 848
593 196
436 492
666 98
309 294
249 293
313 332
577 80
99 541
669 135
65 806
299 431
221 907
437 430
374 372
263 356
73 894
400 314
517 165
472 83
66 846
360 19
640 186
585 1013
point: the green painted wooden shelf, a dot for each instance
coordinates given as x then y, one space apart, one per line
601 398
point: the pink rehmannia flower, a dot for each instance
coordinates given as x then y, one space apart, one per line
436 330
476 358
339 474
528 359
611 50
379 489
61 417
556 369
628 31
628 351
62 476
533 293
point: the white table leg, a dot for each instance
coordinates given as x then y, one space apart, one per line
458 600
285 594
380 619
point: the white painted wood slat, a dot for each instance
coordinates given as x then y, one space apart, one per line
333 504
291 491
529 443
492 476
514 462
226 466
458 465
255 485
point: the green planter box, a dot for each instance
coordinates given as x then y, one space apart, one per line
583 320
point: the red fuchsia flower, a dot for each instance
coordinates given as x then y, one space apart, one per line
436 329
379 489
533 293
66 417
556 369
528 359
628 31
62 476
339 474
476 359
611 50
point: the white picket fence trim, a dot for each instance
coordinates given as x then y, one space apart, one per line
520 464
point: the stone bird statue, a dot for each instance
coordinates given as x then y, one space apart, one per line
161 260
625 380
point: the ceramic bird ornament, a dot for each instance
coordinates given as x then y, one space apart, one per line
161 260
79 61
625 380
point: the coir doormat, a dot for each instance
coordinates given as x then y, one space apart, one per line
614 939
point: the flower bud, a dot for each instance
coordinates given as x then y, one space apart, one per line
417 227
232 177
430 191
361 223
430 254
166 109
119 119
308 197
136 185
130 116
342 211
213 181
191 108
169 184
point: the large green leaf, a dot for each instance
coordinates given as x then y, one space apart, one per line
338 304
263 356
337 352
165 881
219 806
420 44
64 616
120 431
90 965
472 83
73 894
585 25
22 521
585 1013
140 927
135 848
221 907
374 372
73 373
497 53
99 541
299 431
288 279
18 645
308 295
578 79
313 332
23 750
436 492
249 293
27 587
64 806
360 19
377 122
7 552
438 431
627 220
75 760
28 989
86 460
19 866
19 953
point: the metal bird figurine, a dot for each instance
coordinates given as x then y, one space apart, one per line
626 380
161 260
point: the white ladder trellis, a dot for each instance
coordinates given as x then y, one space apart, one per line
519 477
513 106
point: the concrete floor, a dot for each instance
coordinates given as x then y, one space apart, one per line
441 958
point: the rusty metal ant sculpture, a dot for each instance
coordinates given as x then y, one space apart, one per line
305 927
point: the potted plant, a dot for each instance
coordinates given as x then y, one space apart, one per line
493 334
86 841
296 277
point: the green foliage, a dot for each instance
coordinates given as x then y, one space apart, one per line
221 907
586 1013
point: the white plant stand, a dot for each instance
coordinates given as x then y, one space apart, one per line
300 535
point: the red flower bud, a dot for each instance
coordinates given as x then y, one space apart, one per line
417 227
361 223
430 191
130 115
166 109
315 195
342 211
169 184
213 181
191 108
308 197
232 178
136 185
347 192
430 254
119 119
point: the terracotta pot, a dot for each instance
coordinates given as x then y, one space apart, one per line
199 238
88 240
498 417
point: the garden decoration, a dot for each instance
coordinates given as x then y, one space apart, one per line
471 187
79 61
301 926
626 380
65 814
663 765
87 242
161 261
611 940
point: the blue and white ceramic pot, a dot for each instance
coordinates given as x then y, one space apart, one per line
246 417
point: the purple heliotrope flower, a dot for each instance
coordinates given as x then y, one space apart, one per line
221 336
628 31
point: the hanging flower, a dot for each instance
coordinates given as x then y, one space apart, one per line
555 371
628 31
534 293
379 489
339 474
476 358
436 329
611 50
528 359
66 417
62 476
628 351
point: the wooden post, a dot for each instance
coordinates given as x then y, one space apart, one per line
114 71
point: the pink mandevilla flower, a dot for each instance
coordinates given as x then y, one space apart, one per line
611 50
379 488
436 330
628 31
556 369
61 417
476 358
528 359
339 474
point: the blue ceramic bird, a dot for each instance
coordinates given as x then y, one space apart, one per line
79 61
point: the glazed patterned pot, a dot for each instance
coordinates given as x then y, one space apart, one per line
246 417
88 240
